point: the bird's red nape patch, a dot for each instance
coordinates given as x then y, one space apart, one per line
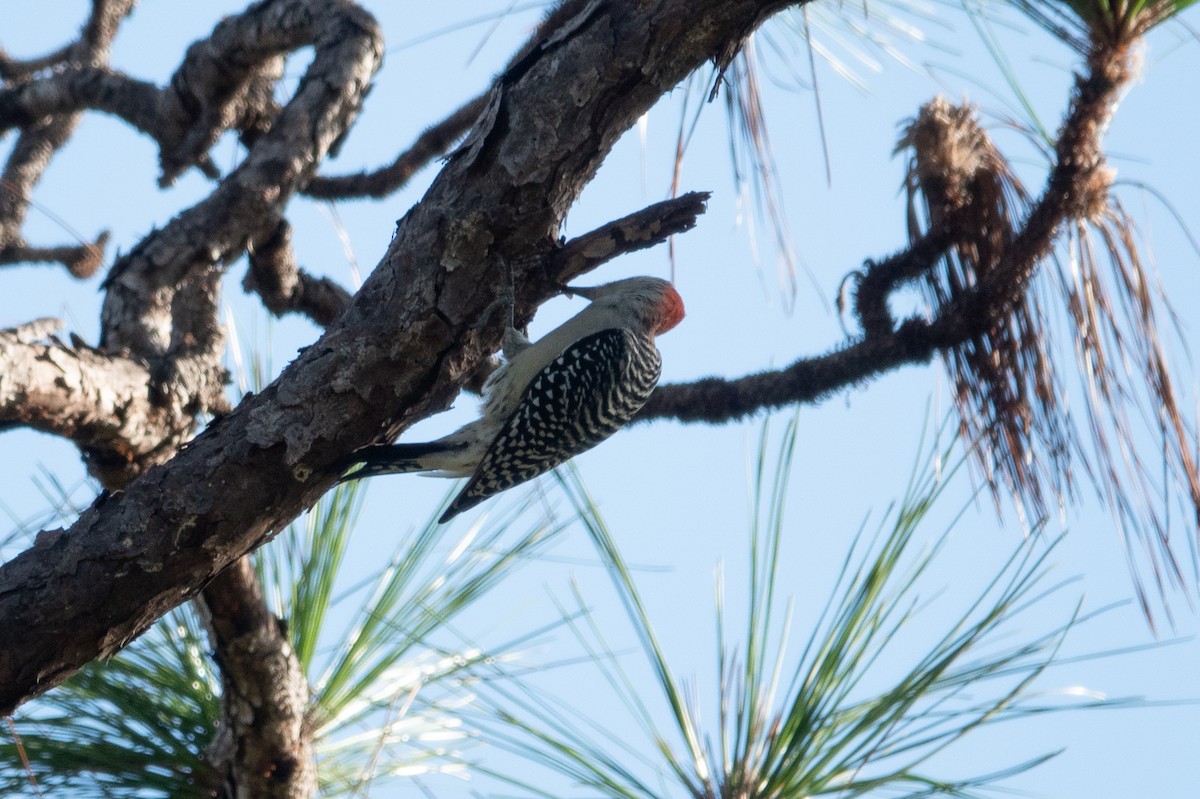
670 310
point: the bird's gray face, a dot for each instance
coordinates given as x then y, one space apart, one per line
653 302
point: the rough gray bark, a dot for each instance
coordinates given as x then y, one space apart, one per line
264 745
92 398
158 365
398 353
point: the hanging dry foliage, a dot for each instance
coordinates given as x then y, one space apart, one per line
1010 396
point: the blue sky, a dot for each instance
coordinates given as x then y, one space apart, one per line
675 496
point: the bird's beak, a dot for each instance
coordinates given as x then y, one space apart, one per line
587 292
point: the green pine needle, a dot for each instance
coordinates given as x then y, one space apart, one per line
817 722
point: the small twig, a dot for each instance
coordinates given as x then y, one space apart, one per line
82 260
433 141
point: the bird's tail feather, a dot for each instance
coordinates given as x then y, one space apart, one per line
387 459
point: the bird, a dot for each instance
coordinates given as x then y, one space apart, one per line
549 400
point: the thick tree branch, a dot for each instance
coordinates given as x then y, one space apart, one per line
397 354
97 401
264 747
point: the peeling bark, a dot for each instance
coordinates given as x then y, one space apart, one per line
91 398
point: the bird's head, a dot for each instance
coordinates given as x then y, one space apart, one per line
652 301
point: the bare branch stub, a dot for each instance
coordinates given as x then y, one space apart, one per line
637 231
82 261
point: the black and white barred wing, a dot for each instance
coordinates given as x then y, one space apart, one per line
588 393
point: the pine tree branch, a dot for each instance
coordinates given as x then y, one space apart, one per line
44 134
264 745
397 354
652 225
1070 193
98 401
286 288
81 260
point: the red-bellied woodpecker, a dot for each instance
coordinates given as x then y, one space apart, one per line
551 399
